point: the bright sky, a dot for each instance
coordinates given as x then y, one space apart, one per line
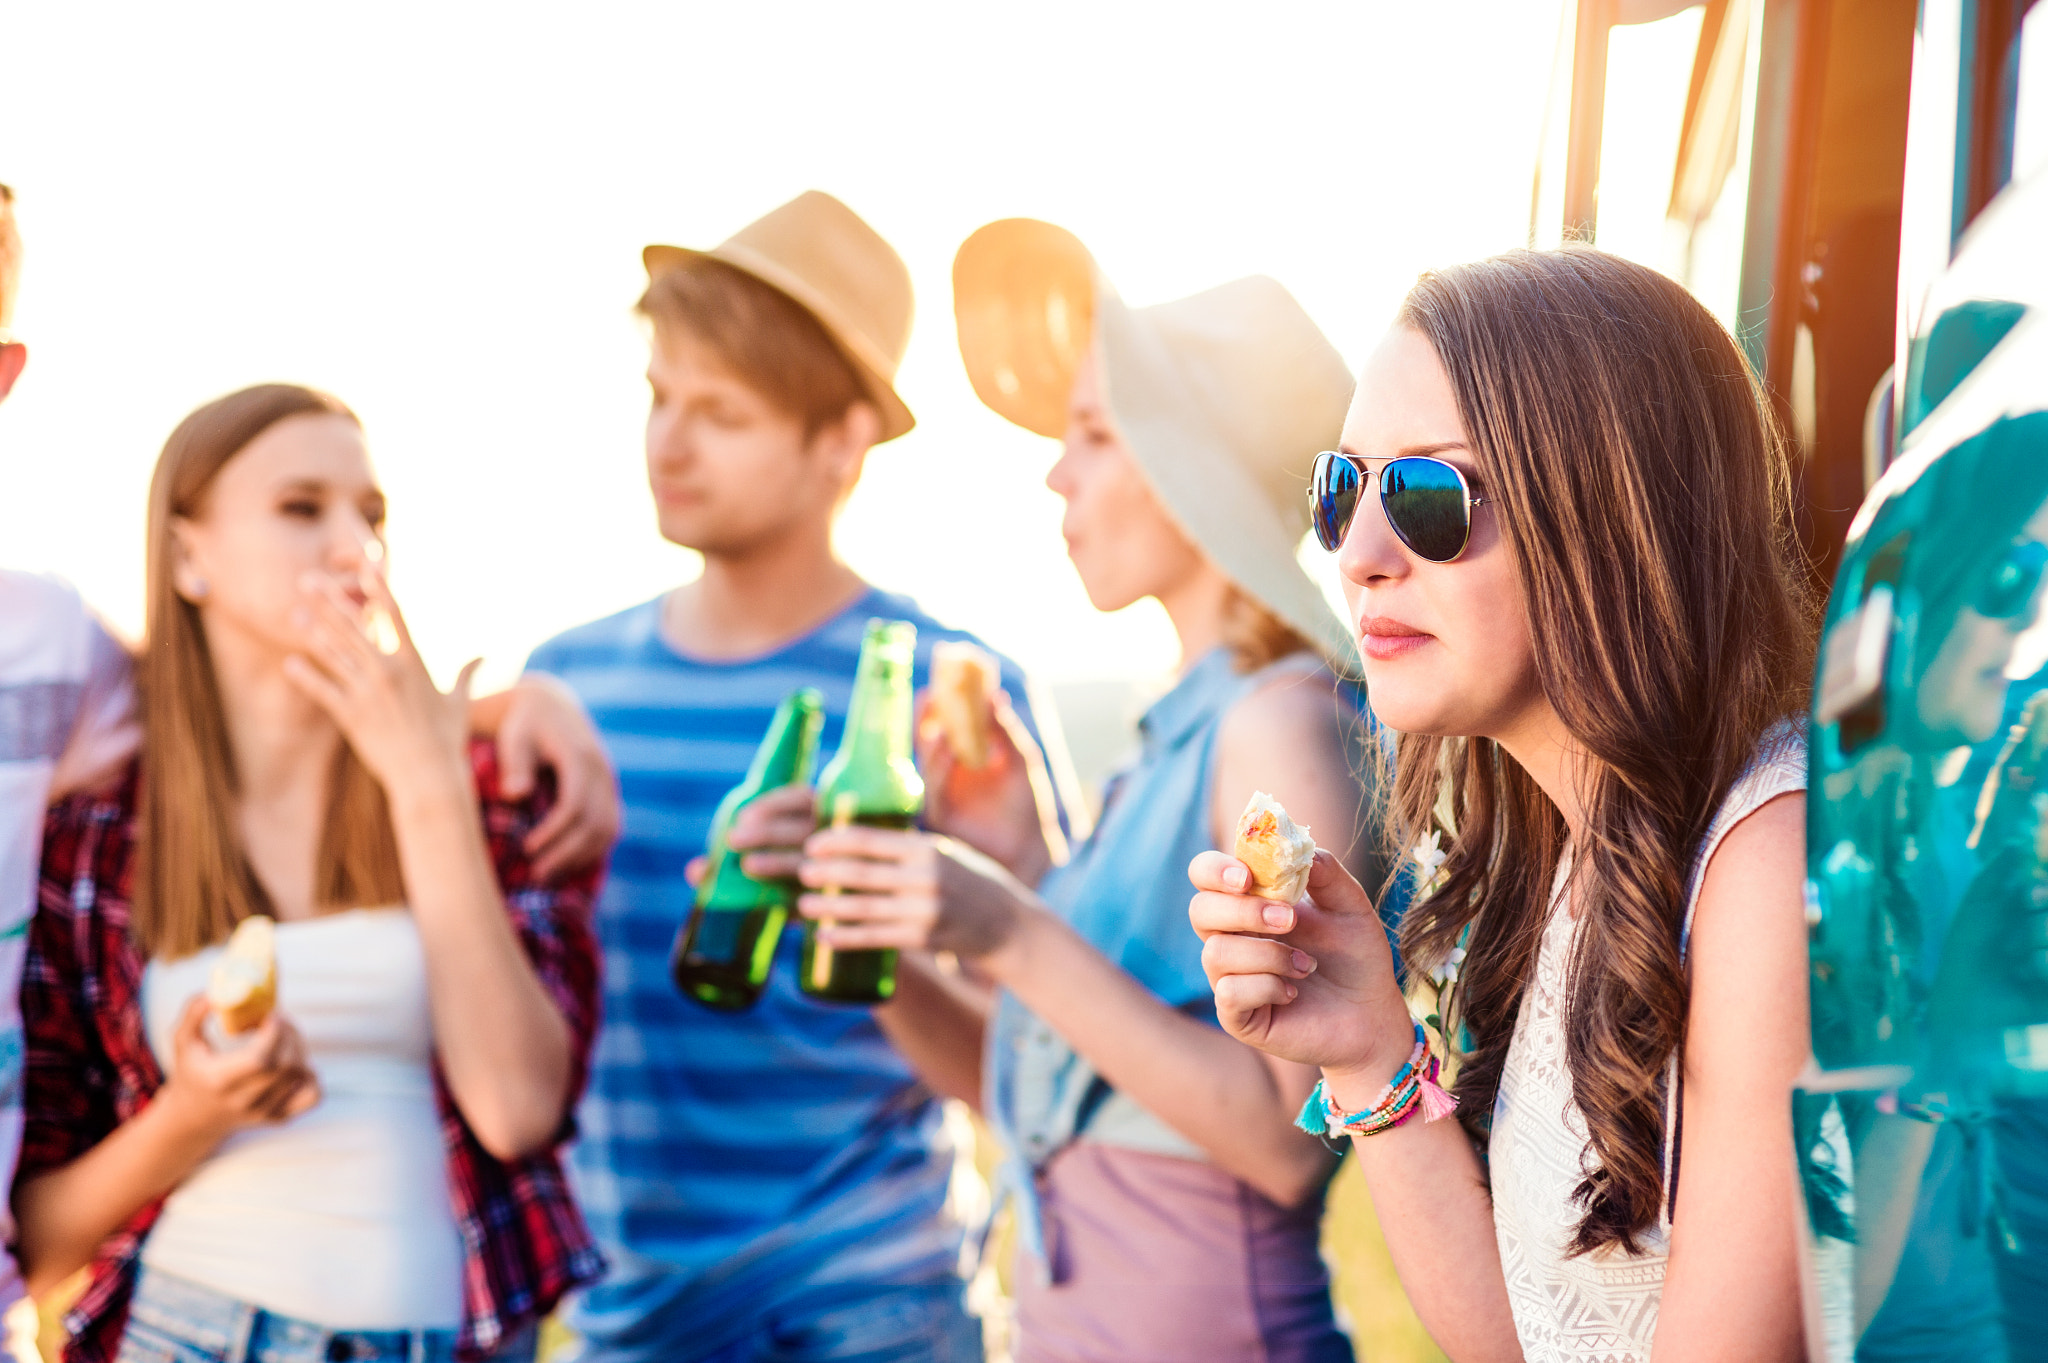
436 211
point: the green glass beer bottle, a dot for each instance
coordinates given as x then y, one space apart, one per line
722 955
873 780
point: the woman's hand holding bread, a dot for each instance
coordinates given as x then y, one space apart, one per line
262 1079
1312 981
1003 804
259 1075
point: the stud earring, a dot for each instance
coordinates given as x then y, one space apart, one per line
199 589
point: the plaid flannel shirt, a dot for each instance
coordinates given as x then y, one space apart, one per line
89 1065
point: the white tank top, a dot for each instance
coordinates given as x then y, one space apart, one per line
341 1216
1600 1307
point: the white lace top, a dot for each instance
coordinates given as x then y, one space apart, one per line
1596 1308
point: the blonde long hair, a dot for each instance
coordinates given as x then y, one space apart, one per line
193 880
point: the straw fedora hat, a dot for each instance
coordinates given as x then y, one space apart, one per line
1224 398
819 252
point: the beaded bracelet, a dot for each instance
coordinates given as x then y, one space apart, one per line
1412 1089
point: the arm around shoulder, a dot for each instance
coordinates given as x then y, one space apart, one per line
541 722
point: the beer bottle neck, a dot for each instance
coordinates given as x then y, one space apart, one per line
878 721
783 754
874 763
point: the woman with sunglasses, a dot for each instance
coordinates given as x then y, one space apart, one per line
1167 1208
1563 516
367 1172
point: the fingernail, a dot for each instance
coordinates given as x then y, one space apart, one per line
1304 962
1292 993
1277 917
1237 877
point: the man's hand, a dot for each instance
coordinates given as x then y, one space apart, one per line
1004 809
540 723
769 831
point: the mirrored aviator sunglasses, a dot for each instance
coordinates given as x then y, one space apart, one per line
1426 502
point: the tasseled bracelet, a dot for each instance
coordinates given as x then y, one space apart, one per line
1413 1089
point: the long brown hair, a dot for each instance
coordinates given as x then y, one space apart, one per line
1645 496
193 881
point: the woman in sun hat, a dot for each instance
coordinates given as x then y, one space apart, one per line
1166 1204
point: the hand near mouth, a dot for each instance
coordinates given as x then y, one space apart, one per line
360 665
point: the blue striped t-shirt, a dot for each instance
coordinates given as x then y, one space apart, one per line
727 1154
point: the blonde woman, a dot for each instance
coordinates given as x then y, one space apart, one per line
371 1174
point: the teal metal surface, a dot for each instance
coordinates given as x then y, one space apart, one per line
1924 1123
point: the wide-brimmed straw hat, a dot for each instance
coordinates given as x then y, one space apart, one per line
819 252
1224 398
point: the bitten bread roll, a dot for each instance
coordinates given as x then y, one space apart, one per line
1278 850
243 988
964 681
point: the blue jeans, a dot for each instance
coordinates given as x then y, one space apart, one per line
922 1323
171 1320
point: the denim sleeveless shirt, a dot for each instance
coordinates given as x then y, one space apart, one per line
1126 891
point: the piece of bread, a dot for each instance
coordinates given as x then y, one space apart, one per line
243 988
1278 850
964 682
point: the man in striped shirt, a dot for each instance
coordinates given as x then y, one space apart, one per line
768 1184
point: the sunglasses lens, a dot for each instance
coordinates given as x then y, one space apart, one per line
1425 502
1333 492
